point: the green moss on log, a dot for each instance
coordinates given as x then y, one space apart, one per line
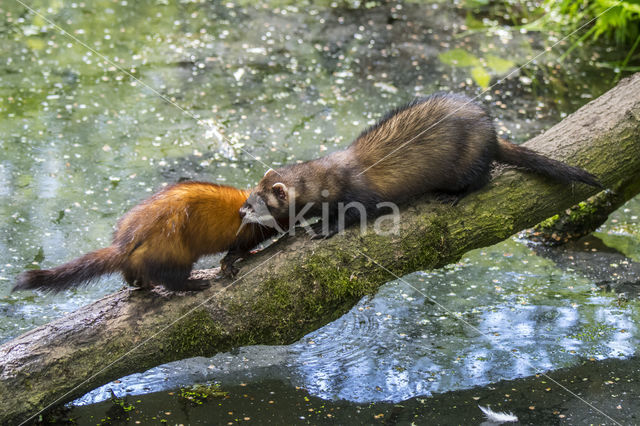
427 248
584 217
196 334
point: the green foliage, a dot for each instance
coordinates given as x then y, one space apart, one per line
481 77
458 58
617 20
614 20
498 64
461 58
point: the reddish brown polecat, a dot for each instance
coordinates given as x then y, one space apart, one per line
157 242
441 143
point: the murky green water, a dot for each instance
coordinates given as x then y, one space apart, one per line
610 386
84 137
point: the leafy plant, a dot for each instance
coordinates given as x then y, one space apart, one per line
612 19
617 20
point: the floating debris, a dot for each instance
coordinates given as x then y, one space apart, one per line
498 417
386 87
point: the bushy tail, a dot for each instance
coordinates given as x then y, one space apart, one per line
524 157
78 271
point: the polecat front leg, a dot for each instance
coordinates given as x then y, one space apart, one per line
321 230
336 224
227 263
174 277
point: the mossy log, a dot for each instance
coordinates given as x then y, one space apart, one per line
582 218
297 285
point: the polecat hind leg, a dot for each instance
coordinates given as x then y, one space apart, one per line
453 198
193 285
446 197
174 277
185 285
131 278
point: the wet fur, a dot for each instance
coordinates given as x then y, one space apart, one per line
443 143
158 241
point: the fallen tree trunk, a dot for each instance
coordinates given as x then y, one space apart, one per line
583 218
298 285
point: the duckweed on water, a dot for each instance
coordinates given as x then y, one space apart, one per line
199 393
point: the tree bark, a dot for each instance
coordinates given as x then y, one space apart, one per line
582 218
297 285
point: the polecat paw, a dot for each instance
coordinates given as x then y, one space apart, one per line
195 285
228 270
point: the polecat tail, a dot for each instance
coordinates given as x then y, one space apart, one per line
78 271
524 157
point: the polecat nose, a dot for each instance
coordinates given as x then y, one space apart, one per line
243 213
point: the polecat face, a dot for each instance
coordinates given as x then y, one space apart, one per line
269 200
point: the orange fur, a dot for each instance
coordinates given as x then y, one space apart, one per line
158 240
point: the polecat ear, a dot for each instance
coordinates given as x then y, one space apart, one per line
267 172
280 190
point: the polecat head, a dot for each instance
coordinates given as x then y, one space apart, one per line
269 200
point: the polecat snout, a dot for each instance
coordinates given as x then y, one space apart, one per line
441 143
158 241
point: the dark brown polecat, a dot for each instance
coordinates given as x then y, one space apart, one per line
158 241
442 143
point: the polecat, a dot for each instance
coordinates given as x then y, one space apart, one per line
158 241
442 143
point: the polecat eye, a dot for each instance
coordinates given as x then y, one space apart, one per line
280 190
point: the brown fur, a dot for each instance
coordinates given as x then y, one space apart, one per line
443 143
158 241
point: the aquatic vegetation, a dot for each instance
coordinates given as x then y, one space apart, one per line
199 393
481 68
